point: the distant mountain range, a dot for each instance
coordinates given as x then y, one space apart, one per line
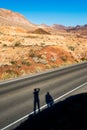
10 18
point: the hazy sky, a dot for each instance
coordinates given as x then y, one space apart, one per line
66 12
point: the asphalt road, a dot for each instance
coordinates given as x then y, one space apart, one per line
16 96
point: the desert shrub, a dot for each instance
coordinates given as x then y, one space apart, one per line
1 33
9 74
32 53
39 56
64 58
38 69
42 44
17 44
40 60
26 63
84 58
23 72
53 59
71 48
13 62
48 66
10 71
54 65
4 45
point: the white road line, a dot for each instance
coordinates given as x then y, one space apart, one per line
43 106
70 91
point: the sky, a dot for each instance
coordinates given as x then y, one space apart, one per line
64 12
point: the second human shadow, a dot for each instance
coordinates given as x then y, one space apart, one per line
49 100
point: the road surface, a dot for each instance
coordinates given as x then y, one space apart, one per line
16 96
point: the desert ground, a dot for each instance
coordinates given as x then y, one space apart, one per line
23 52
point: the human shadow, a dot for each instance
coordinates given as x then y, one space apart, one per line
49 99
36 100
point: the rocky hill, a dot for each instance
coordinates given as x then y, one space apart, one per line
10 18
40 31
43 26
78 28
58 27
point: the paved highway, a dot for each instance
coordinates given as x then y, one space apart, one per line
16 96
